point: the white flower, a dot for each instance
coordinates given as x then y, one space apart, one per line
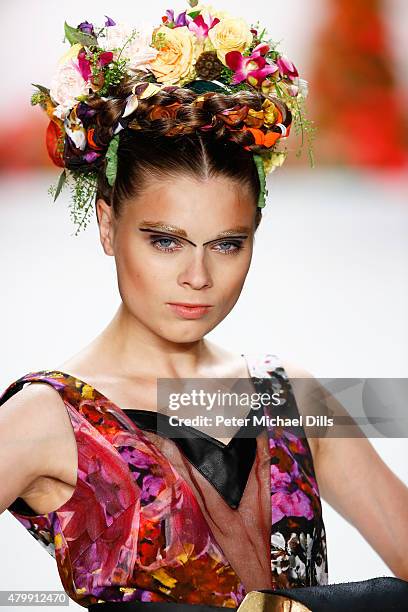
297 568
136 44
75 130
77 135
66 85
279 558
299 87
306 541
278 541
303 88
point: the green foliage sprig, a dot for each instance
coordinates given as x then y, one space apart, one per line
112 160
83 189
113 75
75 36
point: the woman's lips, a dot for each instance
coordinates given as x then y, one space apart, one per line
189 312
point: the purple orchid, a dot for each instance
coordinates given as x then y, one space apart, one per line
85 114
200 26
86 28
91 156
180 21
286 68
109 22
253 68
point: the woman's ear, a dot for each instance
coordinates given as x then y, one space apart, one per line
104 214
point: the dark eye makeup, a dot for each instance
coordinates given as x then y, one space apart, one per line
229 247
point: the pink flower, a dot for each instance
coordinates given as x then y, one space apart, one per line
84 65
290 504
201 25
281 480
286 68
254 69
66 86
105 58
261 49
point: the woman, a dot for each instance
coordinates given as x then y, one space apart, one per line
132 515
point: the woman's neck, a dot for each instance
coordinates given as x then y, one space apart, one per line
128 346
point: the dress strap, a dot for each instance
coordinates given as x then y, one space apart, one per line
51 377
262 366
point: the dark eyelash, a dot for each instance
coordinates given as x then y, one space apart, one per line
154 238
237 243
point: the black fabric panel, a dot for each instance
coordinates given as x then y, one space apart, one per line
226 467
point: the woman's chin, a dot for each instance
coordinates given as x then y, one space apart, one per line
186 331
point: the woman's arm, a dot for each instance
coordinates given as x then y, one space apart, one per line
31 435
356 482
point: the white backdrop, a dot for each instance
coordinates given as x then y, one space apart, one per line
327 289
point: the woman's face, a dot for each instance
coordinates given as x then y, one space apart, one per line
183 241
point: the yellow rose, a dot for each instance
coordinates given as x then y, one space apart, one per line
231 34
174 64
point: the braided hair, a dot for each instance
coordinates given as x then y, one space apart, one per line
173 131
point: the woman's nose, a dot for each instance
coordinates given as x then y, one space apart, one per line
196 273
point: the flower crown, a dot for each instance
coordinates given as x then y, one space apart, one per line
201 49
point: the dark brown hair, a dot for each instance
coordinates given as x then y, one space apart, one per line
163 137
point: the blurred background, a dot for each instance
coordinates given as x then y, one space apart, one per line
328 285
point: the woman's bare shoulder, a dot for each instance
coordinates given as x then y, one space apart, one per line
36 413
35 431
34 399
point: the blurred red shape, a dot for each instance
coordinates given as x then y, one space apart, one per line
54 142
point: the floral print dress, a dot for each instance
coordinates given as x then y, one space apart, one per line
147 521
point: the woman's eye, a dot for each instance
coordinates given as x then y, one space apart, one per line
229 247
163 244
169 245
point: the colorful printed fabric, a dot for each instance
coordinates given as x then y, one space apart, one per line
133 529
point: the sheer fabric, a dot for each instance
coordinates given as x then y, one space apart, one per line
144 523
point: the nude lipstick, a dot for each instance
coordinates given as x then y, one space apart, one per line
189 311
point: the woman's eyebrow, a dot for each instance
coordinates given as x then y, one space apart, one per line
172 229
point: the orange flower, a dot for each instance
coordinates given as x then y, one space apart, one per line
54 139
90 139
267 140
